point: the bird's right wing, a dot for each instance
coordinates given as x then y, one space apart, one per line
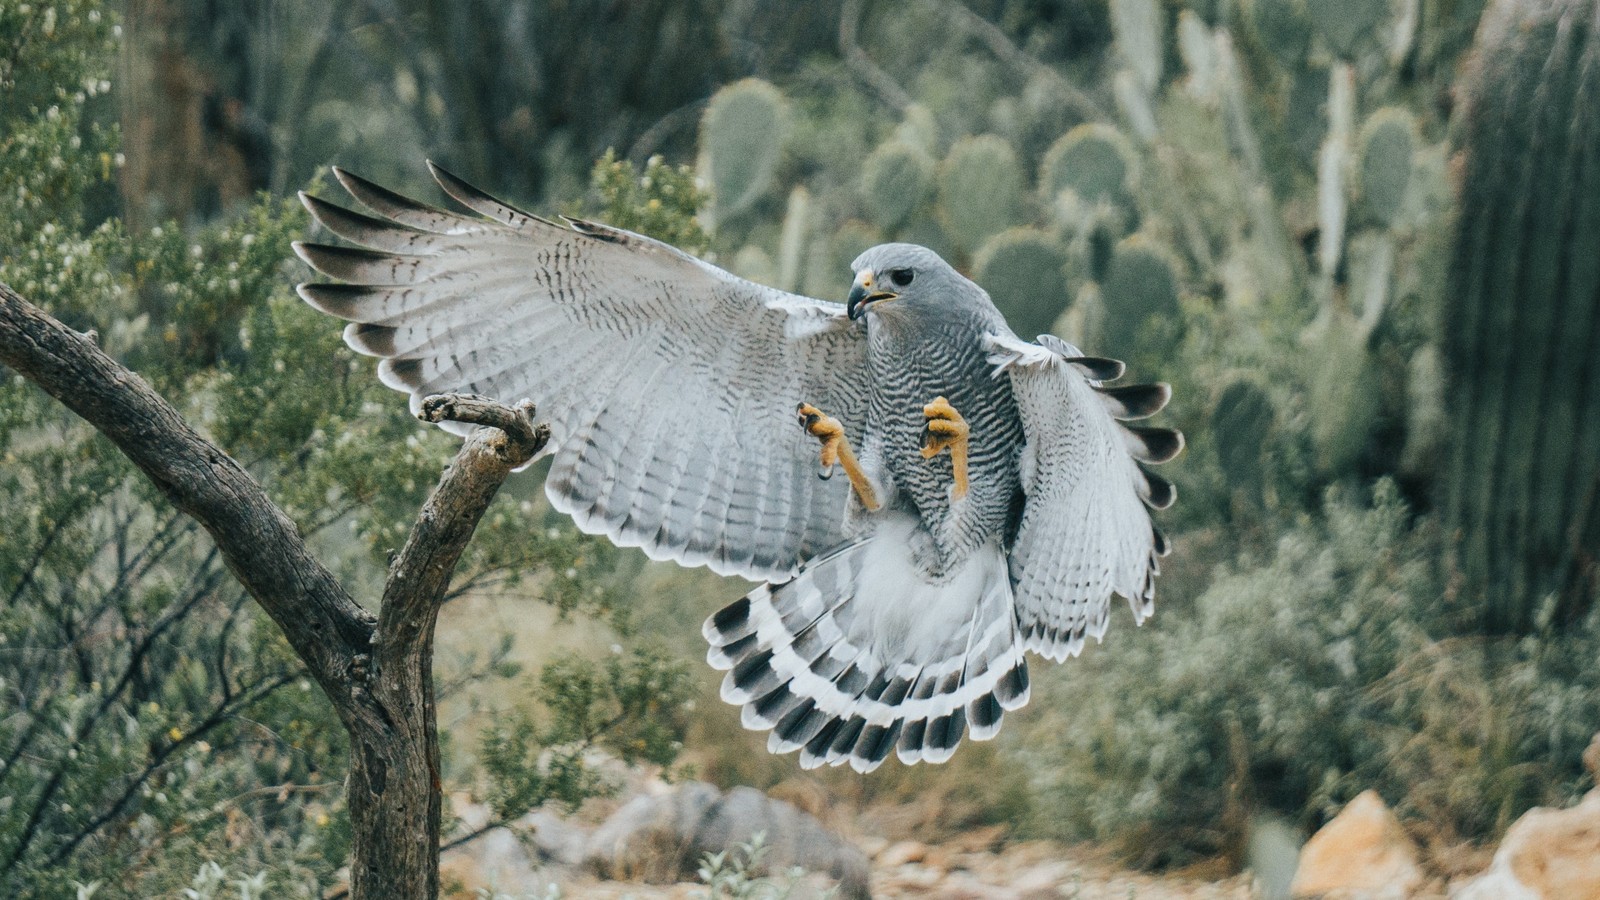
1085 531
669 385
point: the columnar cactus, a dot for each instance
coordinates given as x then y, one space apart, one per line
1522 484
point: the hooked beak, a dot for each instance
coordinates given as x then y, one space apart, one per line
862 295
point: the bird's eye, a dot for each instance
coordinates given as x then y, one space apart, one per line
901 277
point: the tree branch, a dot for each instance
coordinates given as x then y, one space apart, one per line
259 543
377 673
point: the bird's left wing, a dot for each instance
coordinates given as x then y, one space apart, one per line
669 384
1085 532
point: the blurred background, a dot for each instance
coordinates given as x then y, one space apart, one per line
1358 238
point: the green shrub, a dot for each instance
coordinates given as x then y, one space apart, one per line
1300 679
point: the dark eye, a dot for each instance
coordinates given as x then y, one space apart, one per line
901 277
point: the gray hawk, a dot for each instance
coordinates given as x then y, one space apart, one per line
993 499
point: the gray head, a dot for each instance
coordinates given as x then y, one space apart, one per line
900 279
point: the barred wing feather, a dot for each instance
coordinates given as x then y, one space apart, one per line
669 384
1085 532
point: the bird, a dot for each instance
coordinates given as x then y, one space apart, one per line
994 498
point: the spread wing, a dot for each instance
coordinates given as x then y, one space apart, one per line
1085 532
669 384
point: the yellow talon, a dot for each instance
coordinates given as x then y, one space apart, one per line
946 429
836 451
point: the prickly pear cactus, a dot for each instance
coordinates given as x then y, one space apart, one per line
1141 287
980 189
1282 28
1523 469
828 274
1388 146
1344 396
895 181
741 142
1347 24
1241 424
1094 161
1023 269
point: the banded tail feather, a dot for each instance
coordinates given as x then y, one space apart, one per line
860 655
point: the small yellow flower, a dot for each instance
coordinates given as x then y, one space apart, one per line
175 734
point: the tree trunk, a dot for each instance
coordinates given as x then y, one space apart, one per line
377 673
1523 479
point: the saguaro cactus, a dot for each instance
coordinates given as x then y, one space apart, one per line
1522 485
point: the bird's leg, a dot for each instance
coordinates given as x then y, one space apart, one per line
945 429
836 451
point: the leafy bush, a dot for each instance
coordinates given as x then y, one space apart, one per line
1300 679
154 720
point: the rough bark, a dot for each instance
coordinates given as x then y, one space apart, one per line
376 671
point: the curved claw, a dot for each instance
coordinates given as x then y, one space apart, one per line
835 451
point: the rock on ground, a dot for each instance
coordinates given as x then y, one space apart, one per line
1362 854
1548 854
661 839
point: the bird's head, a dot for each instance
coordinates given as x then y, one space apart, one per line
896 278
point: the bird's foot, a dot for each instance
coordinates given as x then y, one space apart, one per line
947 430
836 451
826 429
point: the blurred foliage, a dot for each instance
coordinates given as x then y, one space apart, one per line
632 708
1332 665
661 201
152 718
1251 199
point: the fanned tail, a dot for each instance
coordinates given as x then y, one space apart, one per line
860 654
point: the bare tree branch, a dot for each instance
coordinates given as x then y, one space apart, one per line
259 543
377 672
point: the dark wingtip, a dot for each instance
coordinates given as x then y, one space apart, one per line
372 340
1136 401
343 263
731 618
477 199
1155 445
1159 493
1098 368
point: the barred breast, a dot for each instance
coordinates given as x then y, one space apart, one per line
908 368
